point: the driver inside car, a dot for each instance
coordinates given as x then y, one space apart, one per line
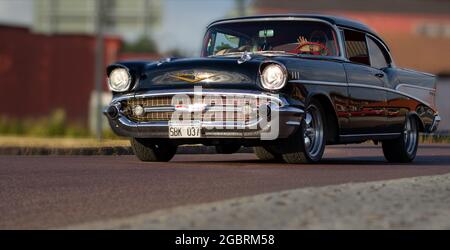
317 44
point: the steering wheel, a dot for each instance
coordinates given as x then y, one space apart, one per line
316 53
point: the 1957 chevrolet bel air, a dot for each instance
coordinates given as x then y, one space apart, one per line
286 85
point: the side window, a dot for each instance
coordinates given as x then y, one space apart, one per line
377 56
356 47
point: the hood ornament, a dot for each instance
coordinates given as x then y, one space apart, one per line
162 61
245 57
194 77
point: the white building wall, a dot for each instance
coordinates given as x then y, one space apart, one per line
443 104
79 16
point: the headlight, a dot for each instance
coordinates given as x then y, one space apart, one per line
119 80
273 77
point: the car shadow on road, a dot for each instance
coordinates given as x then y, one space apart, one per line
439 160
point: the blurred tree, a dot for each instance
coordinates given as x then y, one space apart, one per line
175 53
241 7
144 44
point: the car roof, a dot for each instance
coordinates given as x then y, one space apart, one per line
339 21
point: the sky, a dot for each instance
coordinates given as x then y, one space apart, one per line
16 12
182 26
184 22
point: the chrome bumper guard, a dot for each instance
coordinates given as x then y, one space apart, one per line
435 123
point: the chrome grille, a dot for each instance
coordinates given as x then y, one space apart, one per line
160 108
151 102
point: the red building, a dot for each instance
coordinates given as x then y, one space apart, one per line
39 73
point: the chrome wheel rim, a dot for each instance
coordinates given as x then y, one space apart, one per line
410 135
313 132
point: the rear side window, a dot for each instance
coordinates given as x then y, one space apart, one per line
356 47
377 56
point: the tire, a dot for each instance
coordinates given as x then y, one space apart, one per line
264 155
227 148
311 136
403 149
146 151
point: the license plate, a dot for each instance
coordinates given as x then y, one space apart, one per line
185 130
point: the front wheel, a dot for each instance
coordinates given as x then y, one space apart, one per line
311 136
403 149
145 150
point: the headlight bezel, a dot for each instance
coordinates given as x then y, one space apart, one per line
263 69
128 82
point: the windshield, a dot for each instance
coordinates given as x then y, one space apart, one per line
292 37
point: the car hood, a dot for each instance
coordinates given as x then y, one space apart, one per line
223 72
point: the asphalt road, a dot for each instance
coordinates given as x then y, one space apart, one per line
57 191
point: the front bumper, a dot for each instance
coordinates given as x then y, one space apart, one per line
285 118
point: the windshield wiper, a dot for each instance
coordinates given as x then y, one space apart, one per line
274 52
257 53
233 53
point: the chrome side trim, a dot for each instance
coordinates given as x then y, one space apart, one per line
419 72
359 85
340 84
390 90
413 86
379 134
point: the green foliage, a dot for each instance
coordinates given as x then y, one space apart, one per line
55 125
143 45
11 126
175 53
435 138
109 134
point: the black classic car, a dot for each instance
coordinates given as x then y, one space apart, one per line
286 85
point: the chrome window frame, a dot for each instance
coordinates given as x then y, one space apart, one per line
378 40
385 51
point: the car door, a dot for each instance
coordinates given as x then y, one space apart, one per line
381 60
367 93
